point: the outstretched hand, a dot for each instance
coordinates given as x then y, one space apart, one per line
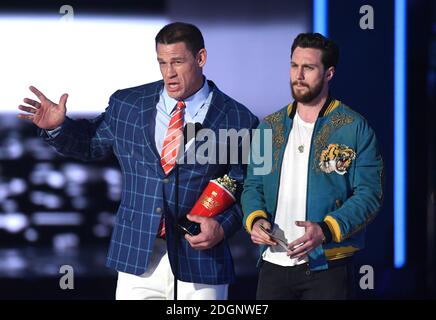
45 114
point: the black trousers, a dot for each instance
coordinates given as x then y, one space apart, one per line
299 283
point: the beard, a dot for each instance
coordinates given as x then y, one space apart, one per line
309 95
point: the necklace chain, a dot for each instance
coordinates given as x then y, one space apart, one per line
307 136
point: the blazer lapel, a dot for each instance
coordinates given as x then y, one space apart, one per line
217 109
148 122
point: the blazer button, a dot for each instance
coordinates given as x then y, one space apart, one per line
158 210
166 180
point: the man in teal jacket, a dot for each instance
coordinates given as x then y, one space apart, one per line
324 187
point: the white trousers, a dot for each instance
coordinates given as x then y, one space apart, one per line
158 282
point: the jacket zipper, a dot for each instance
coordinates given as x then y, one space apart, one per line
308 168
280 172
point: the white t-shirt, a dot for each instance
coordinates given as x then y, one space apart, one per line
291 202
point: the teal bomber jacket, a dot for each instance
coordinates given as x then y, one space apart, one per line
345 177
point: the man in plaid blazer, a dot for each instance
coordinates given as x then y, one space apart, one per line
133 127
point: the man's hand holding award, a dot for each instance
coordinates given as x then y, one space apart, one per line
216 198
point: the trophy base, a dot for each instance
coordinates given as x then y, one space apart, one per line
188 227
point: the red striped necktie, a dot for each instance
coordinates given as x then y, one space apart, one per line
173 138
171 148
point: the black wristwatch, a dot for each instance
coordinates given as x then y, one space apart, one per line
326 231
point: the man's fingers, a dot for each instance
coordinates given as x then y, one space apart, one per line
32 102
37 93
63 99
299 255
259 236
189 239
27 109
302 257
263 239
298 251
195 218
258 240
259 230
298 242
196 239
203 244
25 116
195 244
302 223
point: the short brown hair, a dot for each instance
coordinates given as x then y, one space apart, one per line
329 49
181 32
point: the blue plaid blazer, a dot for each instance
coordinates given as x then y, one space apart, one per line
126 128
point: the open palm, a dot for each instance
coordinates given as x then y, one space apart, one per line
45 114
